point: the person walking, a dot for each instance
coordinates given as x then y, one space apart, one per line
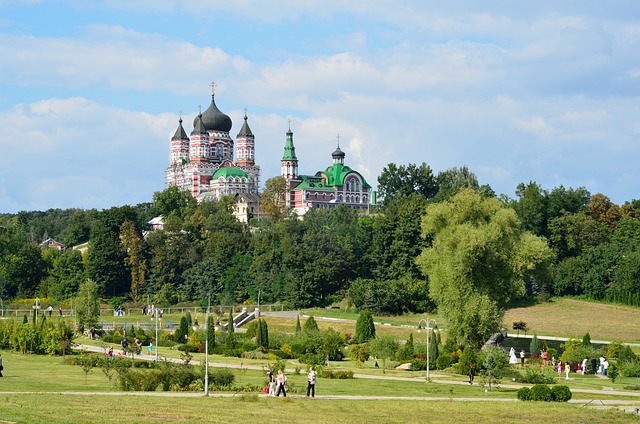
567 370
522 357
272 384
1 366
281 381
311 382
472 373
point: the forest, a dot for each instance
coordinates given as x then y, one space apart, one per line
398 258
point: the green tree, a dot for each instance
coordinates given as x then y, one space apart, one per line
182 332
298 327
365 328
359 353
211 332
106 261
310 324
402 181
88 305
132 243
273 198
172 203
262 334
477 263
531 208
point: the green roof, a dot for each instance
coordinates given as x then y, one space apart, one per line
228 171
336 174
289 148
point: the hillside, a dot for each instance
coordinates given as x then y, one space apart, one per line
573 318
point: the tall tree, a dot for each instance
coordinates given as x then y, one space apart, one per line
273 198
132 243
401 181
476 262
365 328
106 262
88 304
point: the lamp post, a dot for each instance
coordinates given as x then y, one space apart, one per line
155 315
427 321
206 350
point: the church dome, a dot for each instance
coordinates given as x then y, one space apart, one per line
213 119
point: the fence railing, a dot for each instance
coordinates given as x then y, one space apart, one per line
218 310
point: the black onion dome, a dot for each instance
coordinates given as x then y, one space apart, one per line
214 120
180 132
245 131
338 153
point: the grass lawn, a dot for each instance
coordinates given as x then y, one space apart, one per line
55 409
573 318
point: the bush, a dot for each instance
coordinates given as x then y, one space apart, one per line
340 375
541 393
221 377
537 376
132 380
418 365
254 354
561 393
444 361
312 359
188 348
524 393
630 369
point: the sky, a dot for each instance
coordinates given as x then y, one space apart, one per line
91 92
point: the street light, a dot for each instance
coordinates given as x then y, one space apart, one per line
428 330
206 350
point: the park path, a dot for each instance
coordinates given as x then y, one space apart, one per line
436 378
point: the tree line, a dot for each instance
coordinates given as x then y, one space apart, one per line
434 239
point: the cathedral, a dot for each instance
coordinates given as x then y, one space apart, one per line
203 162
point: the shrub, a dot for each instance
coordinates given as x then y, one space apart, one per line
286 350
221 377
561 393
537 376
340 375
524 393
630 369
613 372
132 380
359 353
312 359
254 354
182 378
365 328
188 348
541 393
418 364
444 361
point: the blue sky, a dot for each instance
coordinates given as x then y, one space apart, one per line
90 92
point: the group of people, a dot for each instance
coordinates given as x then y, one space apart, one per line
581 368
278 384
151 310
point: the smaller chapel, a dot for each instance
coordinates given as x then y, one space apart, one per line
337 185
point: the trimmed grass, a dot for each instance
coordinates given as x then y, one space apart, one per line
56 409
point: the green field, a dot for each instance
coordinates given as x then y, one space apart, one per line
43 389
